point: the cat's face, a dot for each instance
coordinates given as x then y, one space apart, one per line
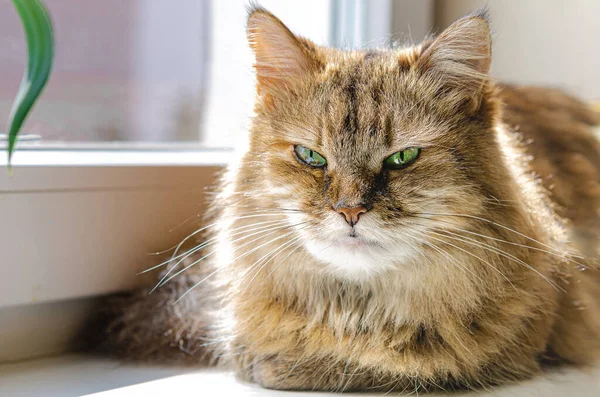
367 151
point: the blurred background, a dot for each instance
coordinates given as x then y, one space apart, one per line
142 72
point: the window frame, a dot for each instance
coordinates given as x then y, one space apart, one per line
56 189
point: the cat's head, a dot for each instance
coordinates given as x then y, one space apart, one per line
367 150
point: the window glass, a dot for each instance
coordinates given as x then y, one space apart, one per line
145 70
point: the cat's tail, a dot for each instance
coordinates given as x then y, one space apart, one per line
156 327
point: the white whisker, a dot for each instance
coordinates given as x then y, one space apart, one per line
473 255
255 230
219 269
163 282
495 224
204 244
499 252
448 256
267 258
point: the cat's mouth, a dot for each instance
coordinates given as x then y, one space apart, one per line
353 241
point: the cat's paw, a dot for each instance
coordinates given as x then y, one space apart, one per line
297 374
271 373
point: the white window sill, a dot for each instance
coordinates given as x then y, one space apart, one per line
108 155
82 376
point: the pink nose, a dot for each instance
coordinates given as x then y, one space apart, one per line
351 214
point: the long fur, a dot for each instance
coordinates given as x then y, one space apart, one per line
464 276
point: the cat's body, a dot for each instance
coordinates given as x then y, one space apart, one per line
452 272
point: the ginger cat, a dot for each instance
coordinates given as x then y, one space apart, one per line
385 227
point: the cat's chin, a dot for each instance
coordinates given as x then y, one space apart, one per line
355 257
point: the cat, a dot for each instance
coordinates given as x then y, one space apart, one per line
396 221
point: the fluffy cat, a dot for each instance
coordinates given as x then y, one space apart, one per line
386 229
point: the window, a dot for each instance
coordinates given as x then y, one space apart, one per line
145 70
143 104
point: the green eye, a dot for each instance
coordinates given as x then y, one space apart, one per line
402 159
309 157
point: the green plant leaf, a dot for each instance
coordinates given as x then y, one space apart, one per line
40 48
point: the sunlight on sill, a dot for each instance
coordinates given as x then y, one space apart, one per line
205 383
75 375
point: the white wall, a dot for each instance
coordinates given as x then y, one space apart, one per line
546 42
412 20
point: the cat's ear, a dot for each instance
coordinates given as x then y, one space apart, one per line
461 56
280 56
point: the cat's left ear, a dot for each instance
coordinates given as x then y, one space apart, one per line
280 57
461 56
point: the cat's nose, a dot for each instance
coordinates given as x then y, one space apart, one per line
351 214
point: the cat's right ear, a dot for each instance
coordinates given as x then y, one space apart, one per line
280 57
